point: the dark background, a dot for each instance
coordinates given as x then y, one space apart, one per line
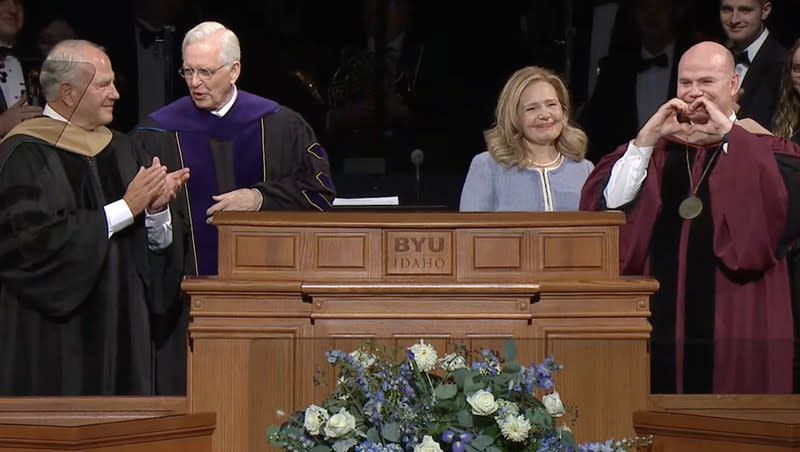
470 50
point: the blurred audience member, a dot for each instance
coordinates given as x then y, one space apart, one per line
55 31
787 119
758 56
535 160
633 82
787 125
16 94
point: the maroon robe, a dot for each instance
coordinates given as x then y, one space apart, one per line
745 212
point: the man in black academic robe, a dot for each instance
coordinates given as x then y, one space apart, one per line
74 247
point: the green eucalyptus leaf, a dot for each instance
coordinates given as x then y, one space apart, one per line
501 382
473 383
512 368
391 432
447 391
470 448
493 449
465 419
320 448
567 438
372 435
274 430
509 351
459 375
482 442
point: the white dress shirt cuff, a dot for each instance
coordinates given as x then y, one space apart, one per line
159 229
118 216
627 175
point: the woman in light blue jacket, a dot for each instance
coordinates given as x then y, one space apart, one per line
535 158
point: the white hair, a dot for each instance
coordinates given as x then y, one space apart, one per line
231 51
63 64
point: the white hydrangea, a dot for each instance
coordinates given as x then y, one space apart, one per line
515 428
424 355
365 359
553 404
506 408
315 418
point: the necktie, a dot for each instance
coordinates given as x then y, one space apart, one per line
741 58
659 60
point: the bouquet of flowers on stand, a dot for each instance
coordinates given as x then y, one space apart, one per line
424 403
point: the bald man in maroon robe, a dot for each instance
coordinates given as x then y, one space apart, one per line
711 207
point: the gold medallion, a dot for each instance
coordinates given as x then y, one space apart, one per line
690 207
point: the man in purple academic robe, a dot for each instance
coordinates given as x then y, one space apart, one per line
245 152
711 206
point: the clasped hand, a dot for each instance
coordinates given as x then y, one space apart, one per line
698 122
153 188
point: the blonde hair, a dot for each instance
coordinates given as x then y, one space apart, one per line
787 118
504 140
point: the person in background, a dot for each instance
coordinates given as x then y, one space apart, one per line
634 81
787 118
246 153
758 56
535 158
710 204
82 218
787 126
15 96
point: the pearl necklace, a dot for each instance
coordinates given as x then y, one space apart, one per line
545 165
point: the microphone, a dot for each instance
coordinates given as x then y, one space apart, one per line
417 156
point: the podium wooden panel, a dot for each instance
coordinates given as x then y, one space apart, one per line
294 285
729 423
177 433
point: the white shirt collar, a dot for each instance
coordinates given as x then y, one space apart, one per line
752 49
50 113
227 107
733 119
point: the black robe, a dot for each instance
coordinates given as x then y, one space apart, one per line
73 303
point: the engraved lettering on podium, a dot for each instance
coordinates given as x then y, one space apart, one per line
419 253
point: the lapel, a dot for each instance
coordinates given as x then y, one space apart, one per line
755 73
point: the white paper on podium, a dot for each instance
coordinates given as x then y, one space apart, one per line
376 201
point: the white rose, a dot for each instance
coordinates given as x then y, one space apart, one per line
315 417
339 424
482 403
424 355
427 445
515 428
452 362
553 404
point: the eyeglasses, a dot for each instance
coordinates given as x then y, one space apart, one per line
202 73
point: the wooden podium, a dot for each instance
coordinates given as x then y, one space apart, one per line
721 423
294 285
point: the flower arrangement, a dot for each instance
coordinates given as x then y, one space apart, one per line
424 403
